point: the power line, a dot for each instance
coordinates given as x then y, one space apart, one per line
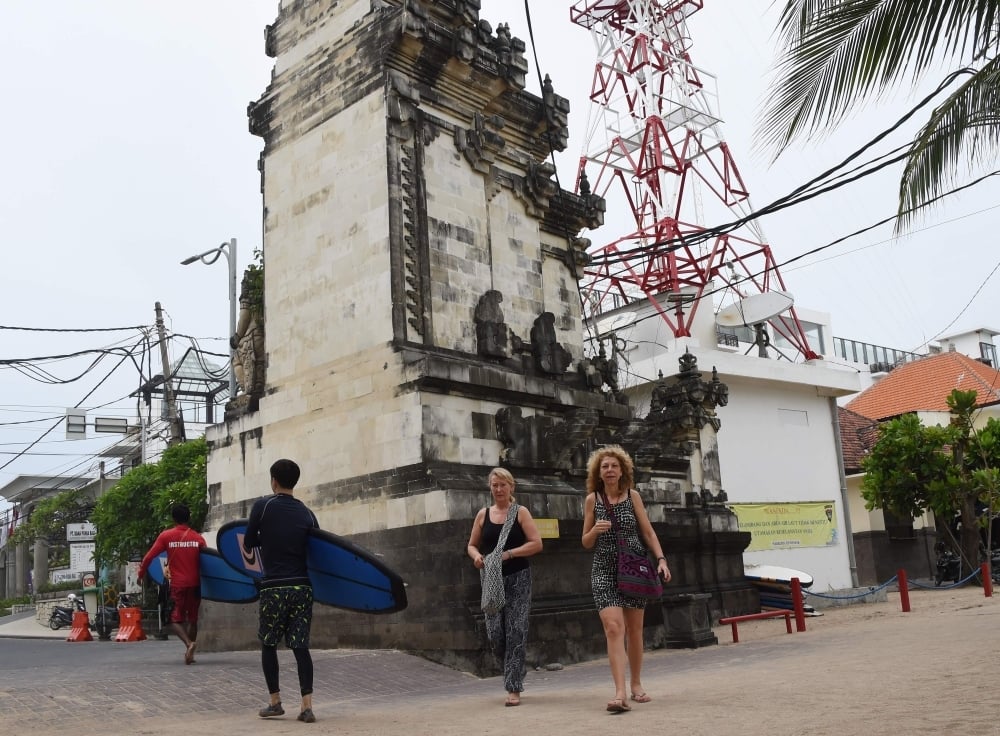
891 240
63 356
843 238
969 303
823 183
29 421
89 393
74 329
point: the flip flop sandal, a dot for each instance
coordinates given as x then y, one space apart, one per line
513 700
641 697
618 705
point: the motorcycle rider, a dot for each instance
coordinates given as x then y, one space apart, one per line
183 546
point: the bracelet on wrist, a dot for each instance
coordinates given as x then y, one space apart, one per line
661 558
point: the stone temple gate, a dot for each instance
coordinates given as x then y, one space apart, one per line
423 325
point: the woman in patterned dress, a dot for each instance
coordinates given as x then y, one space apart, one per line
507 629
610 474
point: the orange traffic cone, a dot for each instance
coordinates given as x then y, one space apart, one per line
130 625
81 627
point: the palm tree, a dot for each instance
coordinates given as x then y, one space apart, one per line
837 53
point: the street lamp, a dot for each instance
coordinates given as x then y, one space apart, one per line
208 258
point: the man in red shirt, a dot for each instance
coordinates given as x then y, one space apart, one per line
183 546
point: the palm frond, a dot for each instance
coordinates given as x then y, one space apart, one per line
838 53
966 126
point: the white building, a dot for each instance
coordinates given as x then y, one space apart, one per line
779 440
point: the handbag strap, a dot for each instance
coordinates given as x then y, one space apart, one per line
614 523
507 524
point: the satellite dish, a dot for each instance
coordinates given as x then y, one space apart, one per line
754 309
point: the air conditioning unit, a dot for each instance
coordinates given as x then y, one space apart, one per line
880 367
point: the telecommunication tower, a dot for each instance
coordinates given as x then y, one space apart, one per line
654 134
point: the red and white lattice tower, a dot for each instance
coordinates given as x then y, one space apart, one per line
654 134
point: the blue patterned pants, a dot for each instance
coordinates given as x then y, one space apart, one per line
508 629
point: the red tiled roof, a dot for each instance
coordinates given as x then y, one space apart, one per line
924 384
857 436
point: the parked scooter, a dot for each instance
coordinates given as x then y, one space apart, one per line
107 620
949 564
63 615
103 622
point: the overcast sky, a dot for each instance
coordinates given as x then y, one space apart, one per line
127 150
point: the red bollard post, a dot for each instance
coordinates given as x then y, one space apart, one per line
798 605
984 570
904 591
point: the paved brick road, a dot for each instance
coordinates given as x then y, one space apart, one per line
868 669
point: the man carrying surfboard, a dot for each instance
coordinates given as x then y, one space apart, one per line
279 529
183 546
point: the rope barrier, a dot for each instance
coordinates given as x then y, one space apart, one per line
971 575
903 584
886 584
890 581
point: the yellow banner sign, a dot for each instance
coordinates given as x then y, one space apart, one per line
787 525
548 528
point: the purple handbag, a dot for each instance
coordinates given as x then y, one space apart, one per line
637 575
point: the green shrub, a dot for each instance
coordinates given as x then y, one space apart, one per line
8 603
52 587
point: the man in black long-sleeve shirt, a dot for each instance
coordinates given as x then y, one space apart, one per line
279 526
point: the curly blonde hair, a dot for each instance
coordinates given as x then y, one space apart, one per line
594 482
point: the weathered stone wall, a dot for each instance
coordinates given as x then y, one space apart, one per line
405 180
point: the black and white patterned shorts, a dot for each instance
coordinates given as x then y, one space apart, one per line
286 613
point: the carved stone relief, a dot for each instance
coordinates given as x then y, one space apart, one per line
541 441
491 332
480 143
550 357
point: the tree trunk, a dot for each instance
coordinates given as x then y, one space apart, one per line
969 536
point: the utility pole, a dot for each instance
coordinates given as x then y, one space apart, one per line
176 428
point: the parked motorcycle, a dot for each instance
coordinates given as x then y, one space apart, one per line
63 615
948 566
107 619
104 621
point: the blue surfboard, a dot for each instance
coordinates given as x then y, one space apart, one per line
342 574
219 581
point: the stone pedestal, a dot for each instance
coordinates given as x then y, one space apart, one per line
687 622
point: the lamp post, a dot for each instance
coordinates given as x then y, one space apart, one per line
208 258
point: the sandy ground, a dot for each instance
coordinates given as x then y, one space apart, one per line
861 669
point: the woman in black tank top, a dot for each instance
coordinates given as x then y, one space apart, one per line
508 628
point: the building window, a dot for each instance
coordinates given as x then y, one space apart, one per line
813 332
988 353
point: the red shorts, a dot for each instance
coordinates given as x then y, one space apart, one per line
186 603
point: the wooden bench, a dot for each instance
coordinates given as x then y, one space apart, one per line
734 621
